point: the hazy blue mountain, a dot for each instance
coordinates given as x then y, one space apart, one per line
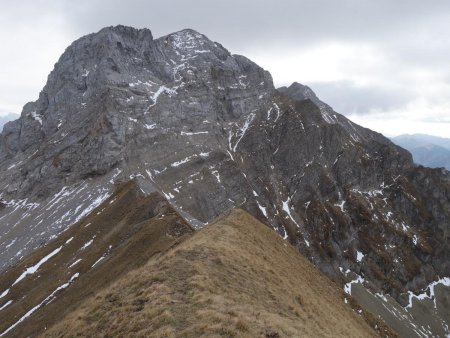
7 118
427 150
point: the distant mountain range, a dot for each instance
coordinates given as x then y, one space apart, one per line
7 118
427 150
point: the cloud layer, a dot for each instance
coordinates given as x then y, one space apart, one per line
370 60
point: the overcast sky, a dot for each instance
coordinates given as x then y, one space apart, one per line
383 63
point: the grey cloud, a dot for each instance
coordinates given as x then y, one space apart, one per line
347 98
410 29
436 119
410 32
237 23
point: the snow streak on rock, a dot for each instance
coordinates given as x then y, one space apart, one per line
46 301
34 268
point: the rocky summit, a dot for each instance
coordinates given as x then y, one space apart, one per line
208 130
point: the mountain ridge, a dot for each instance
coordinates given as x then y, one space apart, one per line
427 150
203 274
425 138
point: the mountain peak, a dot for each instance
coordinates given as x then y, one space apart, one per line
191 33
300 92
105 42
125 30
120 74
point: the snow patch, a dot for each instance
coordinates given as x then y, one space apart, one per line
277 110
94 204
46 301
75 263
428 292
241 132
150 126
4 293
341 205
287 210
9 245
98 261
161 90
348 286
359 256
35 267
263 209
168 196
183 161
37 117
194 133
87 244
217 175
5 305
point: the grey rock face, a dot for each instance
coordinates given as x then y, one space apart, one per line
207 129
120 102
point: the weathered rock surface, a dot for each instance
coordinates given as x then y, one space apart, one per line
209 131
120 102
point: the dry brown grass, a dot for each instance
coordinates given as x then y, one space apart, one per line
235 278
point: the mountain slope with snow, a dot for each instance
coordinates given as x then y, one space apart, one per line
209 132
121 235
234 278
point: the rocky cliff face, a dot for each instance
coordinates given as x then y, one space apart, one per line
119 103
208 130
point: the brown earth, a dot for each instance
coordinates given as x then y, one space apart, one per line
234 278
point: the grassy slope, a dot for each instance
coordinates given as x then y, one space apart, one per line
235 278
127 229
